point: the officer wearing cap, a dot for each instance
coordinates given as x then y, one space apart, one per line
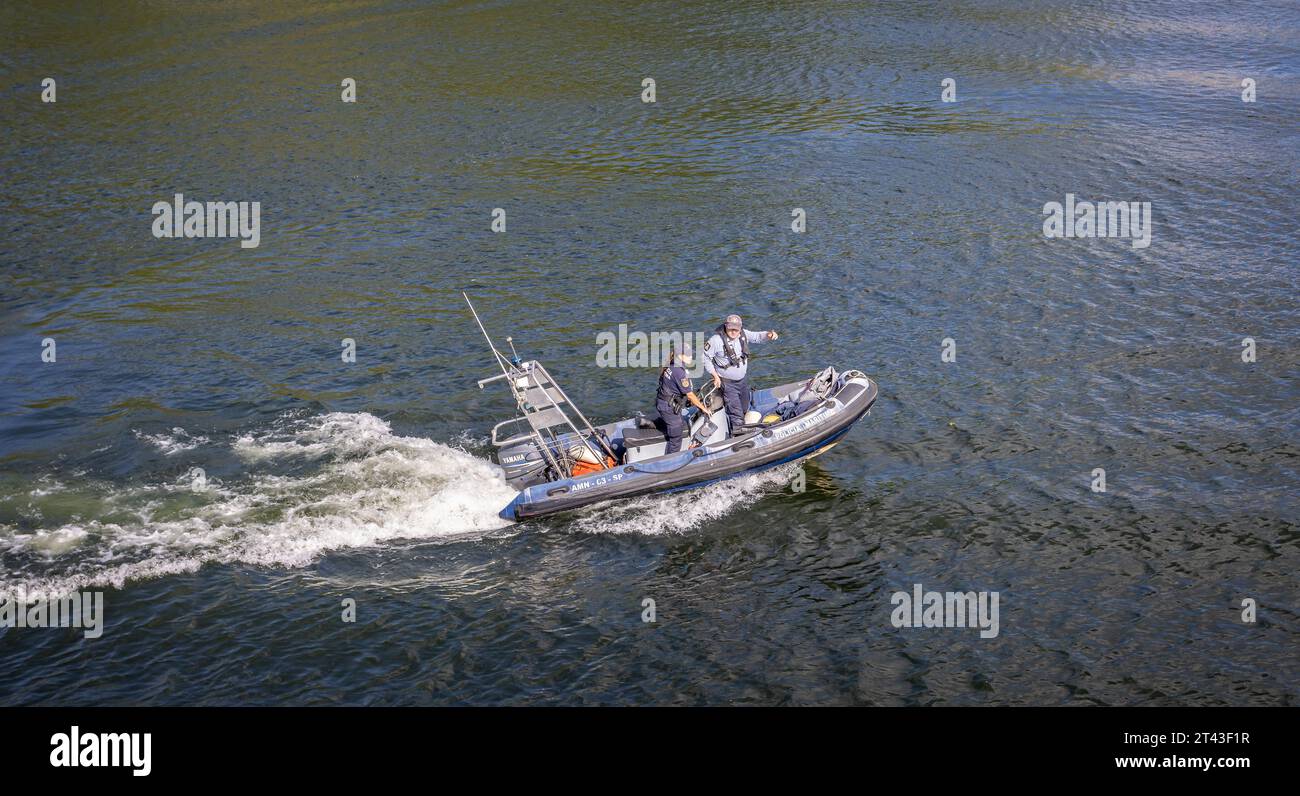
726 358
675 393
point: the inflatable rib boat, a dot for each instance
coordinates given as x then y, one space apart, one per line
559 461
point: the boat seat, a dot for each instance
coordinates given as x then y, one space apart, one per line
640 444
640 437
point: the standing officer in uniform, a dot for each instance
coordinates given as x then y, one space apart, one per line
674 394
726 358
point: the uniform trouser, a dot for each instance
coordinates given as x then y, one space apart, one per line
735 397
672 426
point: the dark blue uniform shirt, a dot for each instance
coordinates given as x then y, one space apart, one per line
673 383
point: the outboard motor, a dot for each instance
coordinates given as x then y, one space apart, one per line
524 464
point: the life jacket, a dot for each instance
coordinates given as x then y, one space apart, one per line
727 359
820 386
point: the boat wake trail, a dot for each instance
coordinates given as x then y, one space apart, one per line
683 511
304 488
351 483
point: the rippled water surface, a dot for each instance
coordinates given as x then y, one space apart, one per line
373 481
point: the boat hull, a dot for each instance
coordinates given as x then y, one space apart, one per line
791 440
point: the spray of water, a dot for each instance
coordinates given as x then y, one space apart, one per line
356 485
368 486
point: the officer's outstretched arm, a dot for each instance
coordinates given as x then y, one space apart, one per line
694 399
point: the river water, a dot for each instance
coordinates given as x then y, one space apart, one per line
325 481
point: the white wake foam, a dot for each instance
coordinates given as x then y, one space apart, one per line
680 512
371 486
362 486
175 441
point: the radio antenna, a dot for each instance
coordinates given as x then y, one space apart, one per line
500 357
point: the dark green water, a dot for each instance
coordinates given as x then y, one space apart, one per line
371 480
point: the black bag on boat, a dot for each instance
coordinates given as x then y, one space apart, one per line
804 406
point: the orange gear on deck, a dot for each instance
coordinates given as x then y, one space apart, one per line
586 468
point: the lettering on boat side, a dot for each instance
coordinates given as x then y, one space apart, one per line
797 428
596 480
